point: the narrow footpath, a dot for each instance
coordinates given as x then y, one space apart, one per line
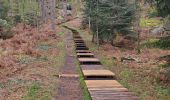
69 85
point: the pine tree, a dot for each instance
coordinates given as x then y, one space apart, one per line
110 17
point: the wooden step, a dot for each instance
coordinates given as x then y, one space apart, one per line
78 54
88 59
76 36
82 48
85 55
79 42
91 67
98 74
83 51
108 89
103 84
78 39
112 95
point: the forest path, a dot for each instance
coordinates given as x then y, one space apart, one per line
69 85
101 83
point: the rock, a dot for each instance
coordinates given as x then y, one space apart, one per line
131 59
127 58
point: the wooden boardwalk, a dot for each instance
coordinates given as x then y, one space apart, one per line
101 83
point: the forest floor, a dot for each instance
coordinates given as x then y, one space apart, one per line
30 63
146 74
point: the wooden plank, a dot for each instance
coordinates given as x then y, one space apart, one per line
81 46
103 84
109 89
91 67
99 73
78 39
113 98
79 54
80 43
88 59
84 51
69 75
110 93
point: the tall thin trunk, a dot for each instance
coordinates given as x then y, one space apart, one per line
64 2
97 28
53 14
90 18
138 27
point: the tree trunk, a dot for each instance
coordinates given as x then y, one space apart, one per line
93 38
64 4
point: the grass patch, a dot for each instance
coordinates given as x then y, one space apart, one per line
94 47
33 91
107 61
162 92
61 33
59 59
36 92
86 94
152 22
26 59
162 43
44 47
164 65
126 75
152 12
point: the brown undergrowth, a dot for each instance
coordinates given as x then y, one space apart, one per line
30 62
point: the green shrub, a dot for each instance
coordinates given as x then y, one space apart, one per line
162 43
31 19
162 92
5 29
3 23
152 22
152 12
17 19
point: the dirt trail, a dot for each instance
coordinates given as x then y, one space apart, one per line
69 85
